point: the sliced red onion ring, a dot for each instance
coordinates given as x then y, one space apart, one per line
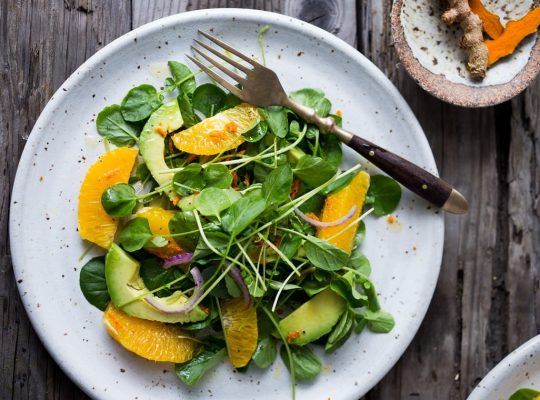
184 307
320 224
179 259
239 279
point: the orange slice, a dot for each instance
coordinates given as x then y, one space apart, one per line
219 133
113 167
240 328
152 340
339 204
158 219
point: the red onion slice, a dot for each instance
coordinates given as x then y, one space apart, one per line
179 259
239 279
320 224
183 308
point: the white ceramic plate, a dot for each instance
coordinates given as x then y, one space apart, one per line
519 369
63 143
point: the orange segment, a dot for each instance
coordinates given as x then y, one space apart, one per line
152 340
158 219
113 167
219 133
240 328
339 204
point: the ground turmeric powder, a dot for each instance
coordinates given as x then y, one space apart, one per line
491 22
513 34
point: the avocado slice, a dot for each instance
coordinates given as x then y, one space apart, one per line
314 318
152 143
127 290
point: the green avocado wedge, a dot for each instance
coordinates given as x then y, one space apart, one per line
314 318
152 143
127 291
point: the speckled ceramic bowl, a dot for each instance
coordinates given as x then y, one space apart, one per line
405 256
430 52
520 369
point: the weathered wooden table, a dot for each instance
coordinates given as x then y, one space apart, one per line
486 303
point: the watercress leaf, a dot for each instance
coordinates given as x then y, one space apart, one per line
231 100
312 287
93 284
379 321
524 394
359 262
345 286
360 234
154 276
212 201
290 244
186 109
325 255
119 200
135 234
189 180
312 132
277 185
337 118
277 120
180 226
266 352
256 133
340 333
191 372
331 150
314 171
260 171
112 126
337 185
279 285
313 98
313 204
220 291
217 175
140 102
213 315
383 194
232 287
254 287
141 174
306 364
369 290
181 73
209 99
217 239
243 212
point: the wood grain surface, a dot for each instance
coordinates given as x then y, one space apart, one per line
486 302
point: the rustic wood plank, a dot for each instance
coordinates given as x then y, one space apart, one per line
144 11
41 43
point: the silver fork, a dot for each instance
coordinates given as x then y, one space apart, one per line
261 87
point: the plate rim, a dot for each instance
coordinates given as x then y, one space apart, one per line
161 23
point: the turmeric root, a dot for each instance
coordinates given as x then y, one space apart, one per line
513 34
473 39
491 22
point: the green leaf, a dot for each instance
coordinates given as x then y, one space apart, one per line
345 286
232 287
331 150
135 234
254 287
140 102
119 200
359 262
340 333
383 194
212 201
186 109
154 276
325 255
290 244
277 186
181 72
256 133
191 372
217 239
379 321
213 315
209 99
279 285
243 212
313 171
360 234
217 175
266 352
112 126
189 180
93 284
140 175
313 204
277 120
312 287
312 98
180 223
525 394
337 185
306 364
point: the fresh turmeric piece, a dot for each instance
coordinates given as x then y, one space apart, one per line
513 34
491 22
473 38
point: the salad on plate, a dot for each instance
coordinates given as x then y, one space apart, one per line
230 231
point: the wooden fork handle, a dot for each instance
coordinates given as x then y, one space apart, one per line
418 180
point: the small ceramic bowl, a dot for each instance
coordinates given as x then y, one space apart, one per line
430 52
